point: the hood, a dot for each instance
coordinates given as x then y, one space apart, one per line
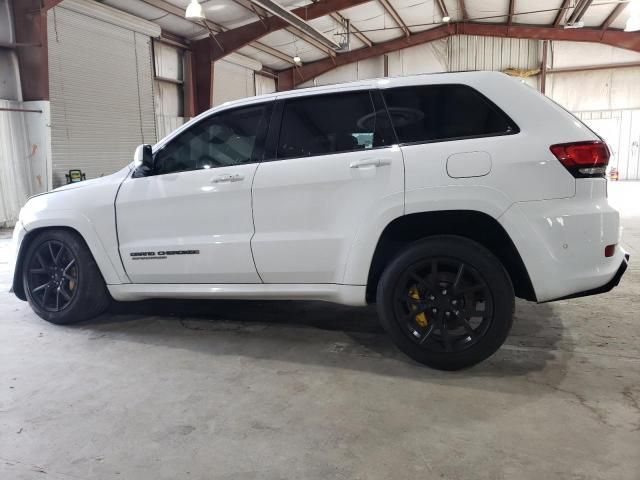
87 183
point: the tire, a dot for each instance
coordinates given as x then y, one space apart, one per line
450 317
61 280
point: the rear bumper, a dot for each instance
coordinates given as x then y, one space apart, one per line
607 287
562 242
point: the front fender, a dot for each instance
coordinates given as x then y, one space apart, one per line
89 210
111 271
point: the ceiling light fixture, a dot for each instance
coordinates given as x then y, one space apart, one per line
574 25
194 11
446 19
297 60
295 21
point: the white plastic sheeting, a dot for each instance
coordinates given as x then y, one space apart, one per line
24 156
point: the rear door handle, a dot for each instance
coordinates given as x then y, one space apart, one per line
370 162
228 178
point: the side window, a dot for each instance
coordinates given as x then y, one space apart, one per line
332 123
444 112
222 140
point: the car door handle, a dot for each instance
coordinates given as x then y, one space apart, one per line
236 177
370 162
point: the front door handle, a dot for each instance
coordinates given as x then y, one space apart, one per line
370 162
228 178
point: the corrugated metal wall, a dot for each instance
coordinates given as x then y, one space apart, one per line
101 89
456 53
231 82
470 52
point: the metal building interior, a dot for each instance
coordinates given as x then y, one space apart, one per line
241 390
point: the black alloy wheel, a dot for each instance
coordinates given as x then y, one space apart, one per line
446 301
443 304
53 276
61 279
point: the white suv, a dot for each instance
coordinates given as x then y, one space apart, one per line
439 197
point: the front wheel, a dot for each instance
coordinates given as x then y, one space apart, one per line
447 302
61 279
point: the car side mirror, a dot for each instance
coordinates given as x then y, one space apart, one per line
143 160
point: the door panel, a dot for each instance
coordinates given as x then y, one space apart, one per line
191 220
308 211
335 168
185 212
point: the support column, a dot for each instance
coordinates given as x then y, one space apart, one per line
30 20
543 66
202 75
188 82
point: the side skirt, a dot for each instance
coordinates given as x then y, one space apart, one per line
343 294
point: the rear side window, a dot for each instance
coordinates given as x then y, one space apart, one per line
444 112
332 123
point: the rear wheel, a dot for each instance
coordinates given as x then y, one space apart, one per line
61 279
447 302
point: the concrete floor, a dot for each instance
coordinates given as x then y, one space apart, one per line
239 390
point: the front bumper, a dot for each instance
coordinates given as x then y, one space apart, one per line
19 233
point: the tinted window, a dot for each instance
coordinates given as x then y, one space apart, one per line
332 123
225 139
440 112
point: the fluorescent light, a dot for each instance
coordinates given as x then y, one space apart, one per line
446 19
574 25
295 21
194 11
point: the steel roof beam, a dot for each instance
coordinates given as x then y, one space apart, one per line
613 15
561 11
217 28
463 10
231 40
617 38
512 6
296 22
443 8
579 11
396 18
357 33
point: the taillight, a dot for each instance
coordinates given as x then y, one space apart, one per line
583 159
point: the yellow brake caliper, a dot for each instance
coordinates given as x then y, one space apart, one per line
421 318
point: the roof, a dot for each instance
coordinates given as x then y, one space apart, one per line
375 21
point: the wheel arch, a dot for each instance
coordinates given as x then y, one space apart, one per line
472 224
32 233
